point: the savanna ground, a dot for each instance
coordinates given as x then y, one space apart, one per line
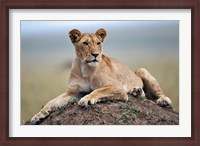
40 83
134 112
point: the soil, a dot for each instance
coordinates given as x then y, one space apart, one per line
134 112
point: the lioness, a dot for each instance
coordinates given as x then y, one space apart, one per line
95 77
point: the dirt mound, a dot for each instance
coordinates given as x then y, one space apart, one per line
134 112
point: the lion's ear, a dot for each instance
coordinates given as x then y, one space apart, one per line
101 34
75 35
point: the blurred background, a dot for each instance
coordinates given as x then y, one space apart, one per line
47 54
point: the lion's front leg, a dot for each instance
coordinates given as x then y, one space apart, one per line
55 103
105 93
52 105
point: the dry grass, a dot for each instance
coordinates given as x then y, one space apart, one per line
38 86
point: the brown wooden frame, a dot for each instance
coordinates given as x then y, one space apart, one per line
194 5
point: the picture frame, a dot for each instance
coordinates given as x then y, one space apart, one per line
89 4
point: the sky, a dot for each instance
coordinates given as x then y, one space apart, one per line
49 41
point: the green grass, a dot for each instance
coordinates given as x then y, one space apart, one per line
129 113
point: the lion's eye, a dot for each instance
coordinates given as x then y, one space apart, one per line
85 43
98 43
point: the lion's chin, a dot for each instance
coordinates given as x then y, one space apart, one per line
93 64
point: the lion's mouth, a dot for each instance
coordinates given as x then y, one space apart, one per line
92 61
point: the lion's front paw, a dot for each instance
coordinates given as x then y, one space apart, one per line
83 102
164 102
137 92
37 118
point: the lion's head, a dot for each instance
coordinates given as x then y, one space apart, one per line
88 45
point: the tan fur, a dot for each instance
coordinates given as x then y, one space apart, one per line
101 77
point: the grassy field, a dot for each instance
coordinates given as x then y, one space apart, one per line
40 83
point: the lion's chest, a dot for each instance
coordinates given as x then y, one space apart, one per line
92 83
95 78
88 85
84 85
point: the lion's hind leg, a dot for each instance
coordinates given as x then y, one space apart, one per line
152 87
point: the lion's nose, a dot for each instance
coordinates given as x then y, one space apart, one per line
95 54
